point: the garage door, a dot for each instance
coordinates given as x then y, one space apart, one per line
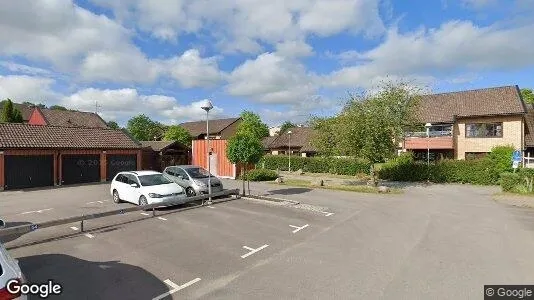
120 163
26 171
80 169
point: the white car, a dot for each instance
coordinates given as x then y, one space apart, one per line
9 269
145 187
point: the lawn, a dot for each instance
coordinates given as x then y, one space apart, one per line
349 188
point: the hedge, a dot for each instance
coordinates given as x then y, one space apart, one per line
341 166
521 181
261 175
484 171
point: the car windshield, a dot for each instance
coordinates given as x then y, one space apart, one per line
154 179
198 172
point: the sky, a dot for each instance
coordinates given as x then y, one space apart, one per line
283 59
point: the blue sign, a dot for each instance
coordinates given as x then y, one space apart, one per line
516 156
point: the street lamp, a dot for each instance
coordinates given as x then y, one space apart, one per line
207 106
289 134
427 126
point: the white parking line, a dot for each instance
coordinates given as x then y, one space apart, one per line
74 228
145 214
91 202
100 202
35 211
252 250
298 228
161 218
89 235
327 214
211 206
175 287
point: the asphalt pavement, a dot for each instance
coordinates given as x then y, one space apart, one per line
435 242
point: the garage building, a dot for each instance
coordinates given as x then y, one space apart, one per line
37 156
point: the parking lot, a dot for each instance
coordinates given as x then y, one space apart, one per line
440 242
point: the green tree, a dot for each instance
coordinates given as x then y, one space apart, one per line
528 95
58 107
113 125
244 149
286 126
251 123
143 128
179 134
40 105
10 114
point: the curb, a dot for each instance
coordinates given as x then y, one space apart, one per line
259 197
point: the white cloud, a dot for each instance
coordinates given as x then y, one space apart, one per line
455 46
191 70
21 88
24 69
122 104
294 48
239 25
271 78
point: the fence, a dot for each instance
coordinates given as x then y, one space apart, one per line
22 229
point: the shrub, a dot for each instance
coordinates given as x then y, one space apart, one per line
261 175
341 166
510 181
501 158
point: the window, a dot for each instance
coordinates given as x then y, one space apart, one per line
171 172
155 179
198 173
475 155
482 130
180 172
131 179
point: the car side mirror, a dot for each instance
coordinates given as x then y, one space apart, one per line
134 185
2 224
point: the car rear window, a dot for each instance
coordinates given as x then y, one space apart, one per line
156 179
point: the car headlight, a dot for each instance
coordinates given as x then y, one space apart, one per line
200 183
154 195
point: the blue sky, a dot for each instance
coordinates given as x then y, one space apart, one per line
286 60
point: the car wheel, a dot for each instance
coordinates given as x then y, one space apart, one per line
142 201
190 192
116 197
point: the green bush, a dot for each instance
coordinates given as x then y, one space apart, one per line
510 181
501 158
261 175
404 168
341 166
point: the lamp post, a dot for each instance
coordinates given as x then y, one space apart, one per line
427 126
289 134
207 106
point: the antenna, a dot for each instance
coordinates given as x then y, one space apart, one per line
96 107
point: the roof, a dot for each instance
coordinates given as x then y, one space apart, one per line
71 118
529 126
267 141
216 126
445 107
157 145
14 135
300 138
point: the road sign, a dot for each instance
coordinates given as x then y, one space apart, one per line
515 164
516 156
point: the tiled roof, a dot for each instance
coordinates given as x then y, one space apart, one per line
267 141
443 108
36 136
300 138
529 126
216 126
156 145
70 118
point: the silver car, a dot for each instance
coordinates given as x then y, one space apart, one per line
193 179
9 270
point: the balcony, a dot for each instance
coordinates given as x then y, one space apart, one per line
439 139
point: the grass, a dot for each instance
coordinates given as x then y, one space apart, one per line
348 188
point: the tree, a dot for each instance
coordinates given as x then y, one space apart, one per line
143 128
244 149
528 95
179 134
370 125
10 114
251 123
286 126
40 105
58 107
113 125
